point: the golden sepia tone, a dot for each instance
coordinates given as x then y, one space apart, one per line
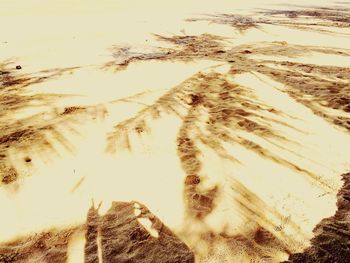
174 131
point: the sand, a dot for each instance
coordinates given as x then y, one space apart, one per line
174 132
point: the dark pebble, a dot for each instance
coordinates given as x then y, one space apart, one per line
246 51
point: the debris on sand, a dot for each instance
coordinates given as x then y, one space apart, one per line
10 175
72 109
239 22
246 51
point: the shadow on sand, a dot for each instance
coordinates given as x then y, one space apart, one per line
128 232
215 112
39 131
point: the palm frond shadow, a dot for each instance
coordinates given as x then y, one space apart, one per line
261 237
231 102
239 22
169 103
217 112
327 85
38 132
318 87
186 48
337 16
308 18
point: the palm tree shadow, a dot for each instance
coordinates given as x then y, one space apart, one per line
336 16
218 117
301 17
261 236
216 112
36 133
310 18
229 106
239 22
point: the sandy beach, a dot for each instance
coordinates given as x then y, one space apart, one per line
183 131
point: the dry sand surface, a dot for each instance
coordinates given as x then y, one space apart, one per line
174 131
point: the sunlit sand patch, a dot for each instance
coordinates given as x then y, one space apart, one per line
147 224
76 247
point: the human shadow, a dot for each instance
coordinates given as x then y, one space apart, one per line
128 232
